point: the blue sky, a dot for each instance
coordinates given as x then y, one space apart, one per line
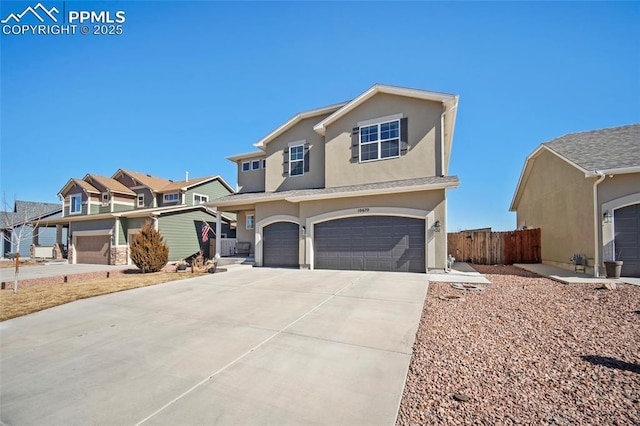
189 83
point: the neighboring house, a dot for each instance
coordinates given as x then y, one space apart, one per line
583 191
357 185
102 214
16 222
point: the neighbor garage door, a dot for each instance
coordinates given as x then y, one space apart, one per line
627 239
371 243
280 242
93 249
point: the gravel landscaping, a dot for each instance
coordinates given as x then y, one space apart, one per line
526 350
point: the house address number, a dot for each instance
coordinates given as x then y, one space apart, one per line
363 210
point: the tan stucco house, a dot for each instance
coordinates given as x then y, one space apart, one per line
583 191
356 185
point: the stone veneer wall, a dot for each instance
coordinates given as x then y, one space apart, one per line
118 256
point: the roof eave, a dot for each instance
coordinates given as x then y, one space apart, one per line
616 171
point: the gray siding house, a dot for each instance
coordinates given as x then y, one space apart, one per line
16 222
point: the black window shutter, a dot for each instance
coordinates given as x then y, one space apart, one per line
306 157
404 138
355 144
285 162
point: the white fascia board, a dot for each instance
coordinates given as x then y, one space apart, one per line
294 120
617 171
381 88
248 155
369 192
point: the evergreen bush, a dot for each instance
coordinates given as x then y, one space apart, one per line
149 252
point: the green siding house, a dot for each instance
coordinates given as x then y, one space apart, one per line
101 214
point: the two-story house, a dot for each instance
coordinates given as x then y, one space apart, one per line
357 185
102 214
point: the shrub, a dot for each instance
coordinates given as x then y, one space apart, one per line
149 252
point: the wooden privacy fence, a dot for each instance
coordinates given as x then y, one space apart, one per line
495 248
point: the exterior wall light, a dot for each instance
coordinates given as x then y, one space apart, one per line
607 217
436 226
303 231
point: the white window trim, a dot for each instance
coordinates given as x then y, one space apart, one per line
291 162
242 167
140 197
166 200
201 196
102 196
379 141
253 163
384 119
253 221
71 203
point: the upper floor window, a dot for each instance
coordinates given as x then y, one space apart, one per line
105 198
75 204
296 160
171 198
381 140
250 221
199 199
140 200
255 164
245 166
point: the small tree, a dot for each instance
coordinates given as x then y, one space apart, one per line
17 226
149 252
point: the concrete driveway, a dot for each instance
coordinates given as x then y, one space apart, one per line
248 346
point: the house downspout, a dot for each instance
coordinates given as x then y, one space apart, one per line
596 224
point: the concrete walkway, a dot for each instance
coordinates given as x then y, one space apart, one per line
461 272
247 346
571 277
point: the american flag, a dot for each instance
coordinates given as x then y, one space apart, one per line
205 232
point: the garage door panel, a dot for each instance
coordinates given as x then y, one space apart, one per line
627 239
374 243
280 244
93 249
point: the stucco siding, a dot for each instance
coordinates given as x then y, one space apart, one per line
242 233
558 199
315 177
421 159
251 180
618 186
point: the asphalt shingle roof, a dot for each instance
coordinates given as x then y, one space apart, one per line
27 210
604 149
252 197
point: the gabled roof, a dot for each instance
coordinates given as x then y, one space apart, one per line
27 210
152 182
262 143
184 185
109 183
611 151
445 98
85 186
604 149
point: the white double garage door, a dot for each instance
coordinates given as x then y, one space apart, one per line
366 243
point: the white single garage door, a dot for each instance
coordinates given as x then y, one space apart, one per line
280 244
93 249
627 239
371 243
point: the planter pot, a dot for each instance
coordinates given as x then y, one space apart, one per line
614 268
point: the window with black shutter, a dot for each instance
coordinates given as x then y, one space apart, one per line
378 141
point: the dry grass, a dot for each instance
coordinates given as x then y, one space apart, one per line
34 299
12 264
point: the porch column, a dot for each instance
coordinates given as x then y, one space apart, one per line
59 234
36 230
218 233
